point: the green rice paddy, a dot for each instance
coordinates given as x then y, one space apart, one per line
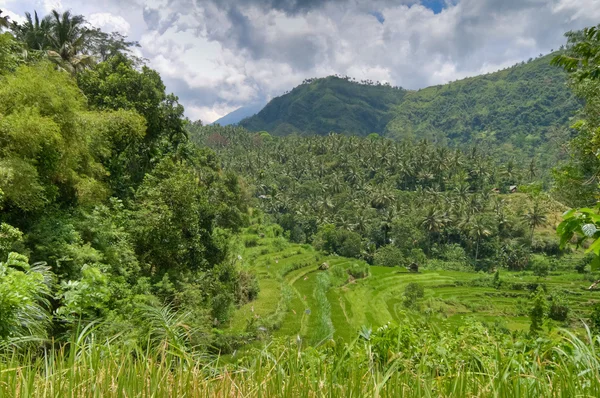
298 299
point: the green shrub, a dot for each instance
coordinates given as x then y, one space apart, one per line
540 265
24 298
583 263
280 244
247 288
595 318
412 293
358 271
251 241
453 253
339 241
388 256
559 307
538 311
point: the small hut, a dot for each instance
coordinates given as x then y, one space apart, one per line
413 267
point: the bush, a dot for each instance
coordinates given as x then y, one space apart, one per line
251 241
412 293
547 245
340 241
388 256
358 271
595 318
540 266
453 253
416 256
582 263
280 244
538 311
559 308
247 287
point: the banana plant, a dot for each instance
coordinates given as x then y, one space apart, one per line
580 226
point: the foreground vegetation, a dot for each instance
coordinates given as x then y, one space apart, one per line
415 360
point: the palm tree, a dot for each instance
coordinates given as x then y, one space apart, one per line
4 24
33 32
65 38
69 39
534 218
478 230
433 223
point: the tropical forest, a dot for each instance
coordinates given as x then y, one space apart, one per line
353 238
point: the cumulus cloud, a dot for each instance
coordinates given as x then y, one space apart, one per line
217 55
109 22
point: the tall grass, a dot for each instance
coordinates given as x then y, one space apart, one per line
391 363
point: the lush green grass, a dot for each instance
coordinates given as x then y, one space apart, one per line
320 304
413 360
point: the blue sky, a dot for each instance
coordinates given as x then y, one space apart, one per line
218 55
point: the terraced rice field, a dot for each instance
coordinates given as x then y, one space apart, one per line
296 298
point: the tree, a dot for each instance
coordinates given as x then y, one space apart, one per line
4 22
47 154
582 56
535 217
478 230
538 311
576 182
389 256
68 40
117 84
181 211
34 32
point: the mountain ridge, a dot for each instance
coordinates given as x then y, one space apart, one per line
516 105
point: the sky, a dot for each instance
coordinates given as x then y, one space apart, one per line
219 55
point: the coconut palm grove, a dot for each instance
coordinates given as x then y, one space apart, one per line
352 239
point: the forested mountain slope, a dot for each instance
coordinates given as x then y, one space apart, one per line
521 106
517 106
330 104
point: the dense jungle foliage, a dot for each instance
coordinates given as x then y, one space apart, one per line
142 254
108 212
373 198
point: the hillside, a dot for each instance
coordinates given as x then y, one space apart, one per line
517 106
329 104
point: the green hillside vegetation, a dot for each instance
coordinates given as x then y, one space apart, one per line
518 107
365 197
334 103
521 112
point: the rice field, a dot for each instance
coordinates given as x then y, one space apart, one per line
295 294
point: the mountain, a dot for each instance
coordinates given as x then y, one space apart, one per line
241 113
329 104
517 106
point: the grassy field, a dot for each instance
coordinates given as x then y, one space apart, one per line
296 298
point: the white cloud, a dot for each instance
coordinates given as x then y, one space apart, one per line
109 22
49 5
13 17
